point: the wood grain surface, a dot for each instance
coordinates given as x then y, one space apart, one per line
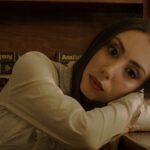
55 27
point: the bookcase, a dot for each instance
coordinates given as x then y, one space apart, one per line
66 25
50 26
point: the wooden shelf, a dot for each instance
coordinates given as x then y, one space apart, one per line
80 1
50 26
53 25
144 4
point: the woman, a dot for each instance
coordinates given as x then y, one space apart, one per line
105 38
36 113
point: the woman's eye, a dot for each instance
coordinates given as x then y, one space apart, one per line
132 73
113 51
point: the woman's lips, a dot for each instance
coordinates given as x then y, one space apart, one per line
95 83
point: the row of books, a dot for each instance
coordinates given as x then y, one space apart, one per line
8 59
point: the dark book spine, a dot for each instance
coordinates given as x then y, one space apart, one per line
8 56
6 67
3 81
7 61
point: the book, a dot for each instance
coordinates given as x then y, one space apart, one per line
8 56
6 67
3 81
66 57
7 61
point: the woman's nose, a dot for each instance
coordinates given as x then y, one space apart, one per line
105 75
109 71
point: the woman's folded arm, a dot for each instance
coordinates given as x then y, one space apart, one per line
33 95
142 121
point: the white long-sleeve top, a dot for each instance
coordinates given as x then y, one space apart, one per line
35 113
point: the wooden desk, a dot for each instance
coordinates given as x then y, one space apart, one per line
130 141
135 141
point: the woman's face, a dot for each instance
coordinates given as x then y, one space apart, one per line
118 68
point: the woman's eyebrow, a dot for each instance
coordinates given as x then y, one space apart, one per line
120 43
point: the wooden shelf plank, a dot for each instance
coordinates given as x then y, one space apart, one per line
80 1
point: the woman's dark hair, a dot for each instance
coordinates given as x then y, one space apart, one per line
102 39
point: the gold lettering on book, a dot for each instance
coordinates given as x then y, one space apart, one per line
70 57
9 57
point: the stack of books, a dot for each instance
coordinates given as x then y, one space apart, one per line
7 61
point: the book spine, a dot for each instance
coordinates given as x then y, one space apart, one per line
65 58
8 56
7 61
3 81
6 67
